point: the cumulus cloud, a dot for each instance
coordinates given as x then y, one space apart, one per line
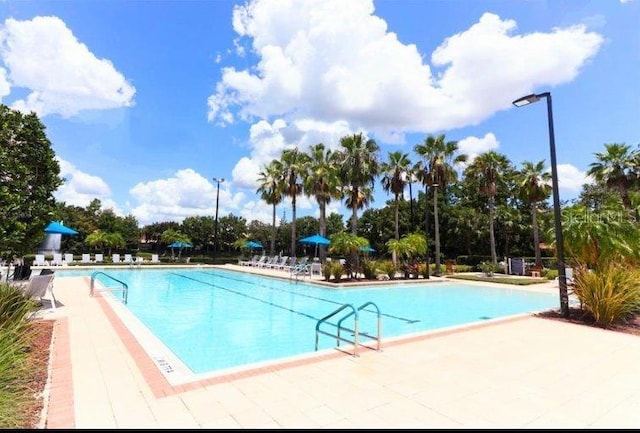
474 146
80 188
313 66
570 179
268 140
186 193
63 77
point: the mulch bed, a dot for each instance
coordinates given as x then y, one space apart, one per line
577 316
39 358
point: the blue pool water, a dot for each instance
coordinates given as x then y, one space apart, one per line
215 319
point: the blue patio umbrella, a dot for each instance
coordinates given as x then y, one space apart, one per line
367 249
58 228
253 244
316 240
179 244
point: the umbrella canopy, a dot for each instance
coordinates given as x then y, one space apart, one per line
315 240
55 227
253 244
179 244
367 249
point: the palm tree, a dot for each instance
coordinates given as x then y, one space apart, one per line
440 158
394 180
487 171
534 187
322 180
293 166
358 169
617 168
271 191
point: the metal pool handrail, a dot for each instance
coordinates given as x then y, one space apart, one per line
337 336
125 287
360 308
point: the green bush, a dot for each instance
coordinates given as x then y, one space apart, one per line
609 294
15 335
326 271
550 274
488 268
388 268
369 267
337 270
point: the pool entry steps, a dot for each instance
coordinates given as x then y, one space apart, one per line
351 311
124 288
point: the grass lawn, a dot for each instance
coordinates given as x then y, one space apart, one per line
500 279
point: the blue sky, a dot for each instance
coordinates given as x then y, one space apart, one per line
145 102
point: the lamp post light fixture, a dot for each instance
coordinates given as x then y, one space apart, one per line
215 228
562 277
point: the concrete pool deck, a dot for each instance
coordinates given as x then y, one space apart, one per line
521 372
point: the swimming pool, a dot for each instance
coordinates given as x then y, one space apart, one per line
215 319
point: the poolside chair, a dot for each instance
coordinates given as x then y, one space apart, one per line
128 258
154 258
38 261
99 258
115 258
270 261
139 260
260 261
279 263
38 287
302 268
57 259
68 259
86 258
249 262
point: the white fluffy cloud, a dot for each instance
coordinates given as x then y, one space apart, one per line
313 65
186 193
80 188
474 146
63 77
570 179
268 140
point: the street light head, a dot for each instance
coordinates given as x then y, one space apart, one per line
218 180
526 100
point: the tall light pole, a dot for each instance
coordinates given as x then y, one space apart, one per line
215 228
562 277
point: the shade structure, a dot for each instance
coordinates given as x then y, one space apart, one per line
56 227
253 245
316 240
367 249
179 244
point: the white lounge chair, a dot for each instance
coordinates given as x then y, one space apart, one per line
57 259
68 259
128 258
139 260
99 258
250 262
154 258
86 258
38 287
39 260
115 258
279 263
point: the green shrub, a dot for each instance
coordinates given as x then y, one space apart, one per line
488 268
337 270
609 294
388 268
550 274
369 267
464 268
326 271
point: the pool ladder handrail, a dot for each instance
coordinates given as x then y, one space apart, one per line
356 331
125 287
378 338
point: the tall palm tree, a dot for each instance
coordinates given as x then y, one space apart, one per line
358 171
271 191
293 166
322 180
440 159
394 180
487 170
534 186
617 168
